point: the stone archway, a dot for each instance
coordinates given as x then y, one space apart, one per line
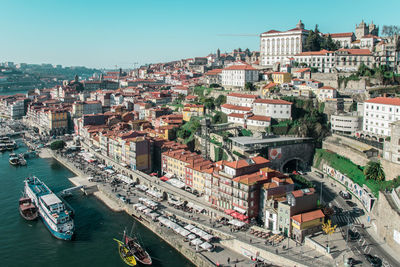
292 164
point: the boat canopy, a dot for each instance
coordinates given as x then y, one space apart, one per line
51 199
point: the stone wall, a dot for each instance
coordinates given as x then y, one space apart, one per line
384 227
344 151
392 170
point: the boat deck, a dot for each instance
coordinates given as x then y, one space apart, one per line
39 189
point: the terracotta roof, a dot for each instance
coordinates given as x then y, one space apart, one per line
302 192
270 85
327 88
246 162
259 118
356 51
394 101
314 53
236 115
240 67
308 216
229 106
242 95
370 36
250 179
303 70
339 35
271 31
273 101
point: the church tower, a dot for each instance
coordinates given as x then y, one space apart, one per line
361 30
218 53
373 29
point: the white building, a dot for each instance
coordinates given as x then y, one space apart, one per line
228 109
237 99
345 39
325 92
379 113
351 59
345 123
238 74
274 108
323 60
249 120
278 46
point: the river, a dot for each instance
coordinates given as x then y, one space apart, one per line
31 244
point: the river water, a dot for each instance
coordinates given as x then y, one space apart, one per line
24 243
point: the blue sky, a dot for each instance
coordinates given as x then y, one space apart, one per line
117 32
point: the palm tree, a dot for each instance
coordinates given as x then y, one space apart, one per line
374 171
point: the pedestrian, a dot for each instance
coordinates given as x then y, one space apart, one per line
251 240
228 260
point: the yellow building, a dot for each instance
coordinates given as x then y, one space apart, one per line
190 110
267 89
307 223
197 173
57 121
281 77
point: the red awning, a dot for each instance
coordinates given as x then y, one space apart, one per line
153 174
229 212
235 215
243 217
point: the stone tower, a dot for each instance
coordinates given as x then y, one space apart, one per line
300 25
373 29
361 30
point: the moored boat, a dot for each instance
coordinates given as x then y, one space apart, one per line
137 250
27 209
21 159
52 210
125 254
13 159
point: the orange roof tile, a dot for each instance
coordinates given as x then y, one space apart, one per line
394 101
229 106
308 216
273 101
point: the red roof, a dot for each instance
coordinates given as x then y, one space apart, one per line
271 31
328 88
273 101
240 67
339 35
259 118
244 163
314 53
308 216
356 51
242 95
394 101
303 70
229 106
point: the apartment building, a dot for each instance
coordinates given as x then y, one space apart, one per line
237 75
274 108
236 99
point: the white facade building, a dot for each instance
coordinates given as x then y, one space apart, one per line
228 109
238 74
345 39
323 60
277 46
249 120
325 92
345 123
379 113
244 100
274 108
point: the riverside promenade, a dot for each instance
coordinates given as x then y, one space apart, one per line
231 245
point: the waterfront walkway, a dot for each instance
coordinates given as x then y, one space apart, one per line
299 256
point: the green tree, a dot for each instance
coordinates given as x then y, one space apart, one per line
57 145
249 86
374 171
220 100
219 117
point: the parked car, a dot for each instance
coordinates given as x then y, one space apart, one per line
373 260
353 236
351 204
345 195
358 211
